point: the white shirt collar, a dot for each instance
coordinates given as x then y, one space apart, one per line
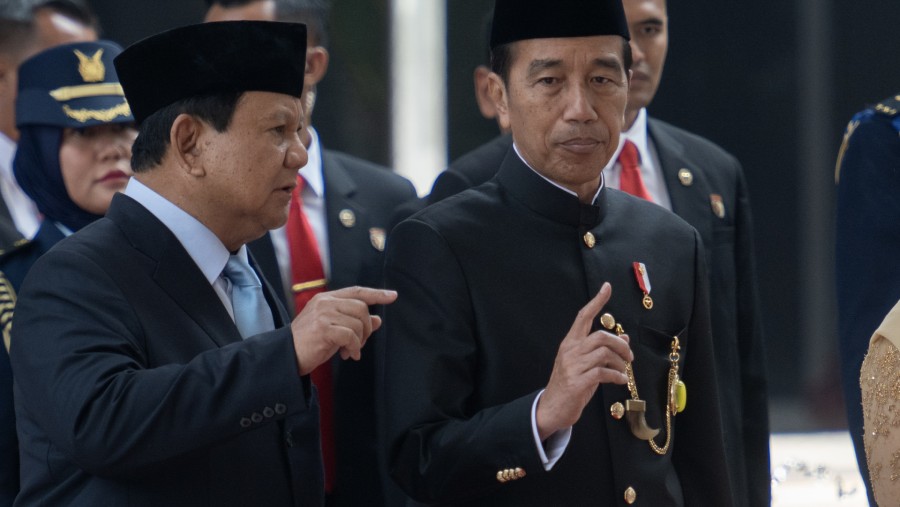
204 247
637 134
555 184
312 171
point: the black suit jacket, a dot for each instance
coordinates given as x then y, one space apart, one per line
728 241
133 386
371 192
736 322
490 281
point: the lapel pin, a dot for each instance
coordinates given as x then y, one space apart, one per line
377 237
347 218
685 176
718 206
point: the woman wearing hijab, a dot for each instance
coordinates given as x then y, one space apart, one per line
74 151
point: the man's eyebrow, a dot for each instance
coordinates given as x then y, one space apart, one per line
537 66
610 63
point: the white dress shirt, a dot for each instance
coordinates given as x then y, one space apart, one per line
651 170
203 246
24 213
314 208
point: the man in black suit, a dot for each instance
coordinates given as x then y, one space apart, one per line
348 203
502 385
153 367
705 186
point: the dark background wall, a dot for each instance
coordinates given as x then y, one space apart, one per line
772 81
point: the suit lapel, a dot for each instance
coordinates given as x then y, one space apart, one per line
176 273
690 202
344 238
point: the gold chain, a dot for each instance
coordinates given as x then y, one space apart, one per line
674 357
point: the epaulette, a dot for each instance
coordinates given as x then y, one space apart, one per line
20 244
7 305
889 106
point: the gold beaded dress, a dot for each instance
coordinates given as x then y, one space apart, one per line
880 383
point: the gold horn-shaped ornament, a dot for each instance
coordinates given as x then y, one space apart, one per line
635 411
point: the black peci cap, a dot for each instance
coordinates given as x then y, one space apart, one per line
74 85
228 56
516 20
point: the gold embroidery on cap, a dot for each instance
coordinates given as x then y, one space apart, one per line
105 115
91 68
96 90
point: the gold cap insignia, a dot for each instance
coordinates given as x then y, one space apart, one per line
91 68
685 176
377 237
347 218
718 207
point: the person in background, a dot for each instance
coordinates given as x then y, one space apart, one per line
74 151
867 274
509 379
153 365
705 186
480 164
334 238
27 27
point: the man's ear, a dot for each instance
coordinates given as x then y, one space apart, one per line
500 98
316 65
184 140
483 92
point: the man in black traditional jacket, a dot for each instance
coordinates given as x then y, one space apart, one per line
509 379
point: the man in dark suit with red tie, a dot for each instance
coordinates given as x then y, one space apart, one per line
334 238
153 364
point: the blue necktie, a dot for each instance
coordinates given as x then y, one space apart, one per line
252 314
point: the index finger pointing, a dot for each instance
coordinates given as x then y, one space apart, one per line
367 295
586 315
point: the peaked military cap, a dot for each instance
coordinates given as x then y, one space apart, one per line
228 56
516 20
74 85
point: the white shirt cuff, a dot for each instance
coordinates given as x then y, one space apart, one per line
556 443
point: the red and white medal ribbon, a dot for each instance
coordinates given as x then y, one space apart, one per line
643 280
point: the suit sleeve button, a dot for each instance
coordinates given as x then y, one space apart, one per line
268 412
245 423
280 409
256 417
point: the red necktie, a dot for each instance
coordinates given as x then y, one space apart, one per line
308 279
630 179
